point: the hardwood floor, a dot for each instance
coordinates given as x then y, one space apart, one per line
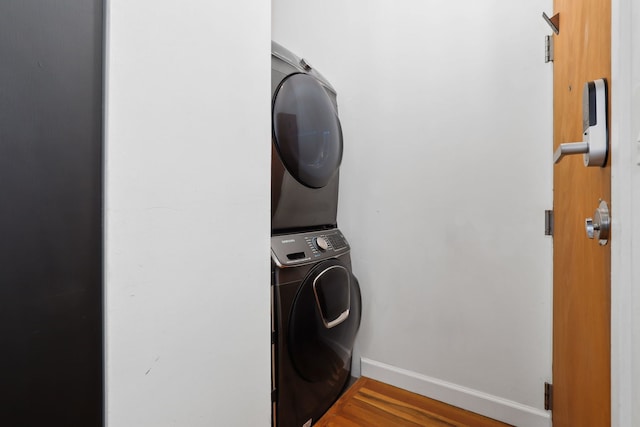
370 403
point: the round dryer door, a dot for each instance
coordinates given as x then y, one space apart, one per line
324 320
306 130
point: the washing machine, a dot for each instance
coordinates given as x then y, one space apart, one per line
316 311
306 146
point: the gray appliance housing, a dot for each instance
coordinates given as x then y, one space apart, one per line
294 205
316 313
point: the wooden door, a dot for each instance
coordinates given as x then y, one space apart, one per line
582 268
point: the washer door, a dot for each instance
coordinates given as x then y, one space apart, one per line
325 317
306 130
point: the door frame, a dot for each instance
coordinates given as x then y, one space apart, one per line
624 275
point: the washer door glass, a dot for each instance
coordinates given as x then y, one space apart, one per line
325 317
306 130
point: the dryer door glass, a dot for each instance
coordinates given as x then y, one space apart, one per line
306 130
325 317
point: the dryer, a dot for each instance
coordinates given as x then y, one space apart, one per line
316 311
306 147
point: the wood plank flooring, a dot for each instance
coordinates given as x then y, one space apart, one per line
370 403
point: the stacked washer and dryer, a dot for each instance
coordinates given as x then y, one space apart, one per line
316 298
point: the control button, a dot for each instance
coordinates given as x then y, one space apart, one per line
322 244
337 241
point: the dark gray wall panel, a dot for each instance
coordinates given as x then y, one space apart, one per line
51 78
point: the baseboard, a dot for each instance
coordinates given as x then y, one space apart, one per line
472 400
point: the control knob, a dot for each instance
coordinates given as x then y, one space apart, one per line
321 243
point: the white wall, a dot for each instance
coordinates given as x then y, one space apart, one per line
634 224
625 241
635 200
447 116
187 213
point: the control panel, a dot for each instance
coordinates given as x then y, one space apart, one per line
301 248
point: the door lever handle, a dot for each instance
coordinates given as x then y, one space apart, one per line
570 148
595 144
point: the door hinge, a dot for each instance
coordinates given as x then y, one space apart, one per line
548 49
548 222
548 396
